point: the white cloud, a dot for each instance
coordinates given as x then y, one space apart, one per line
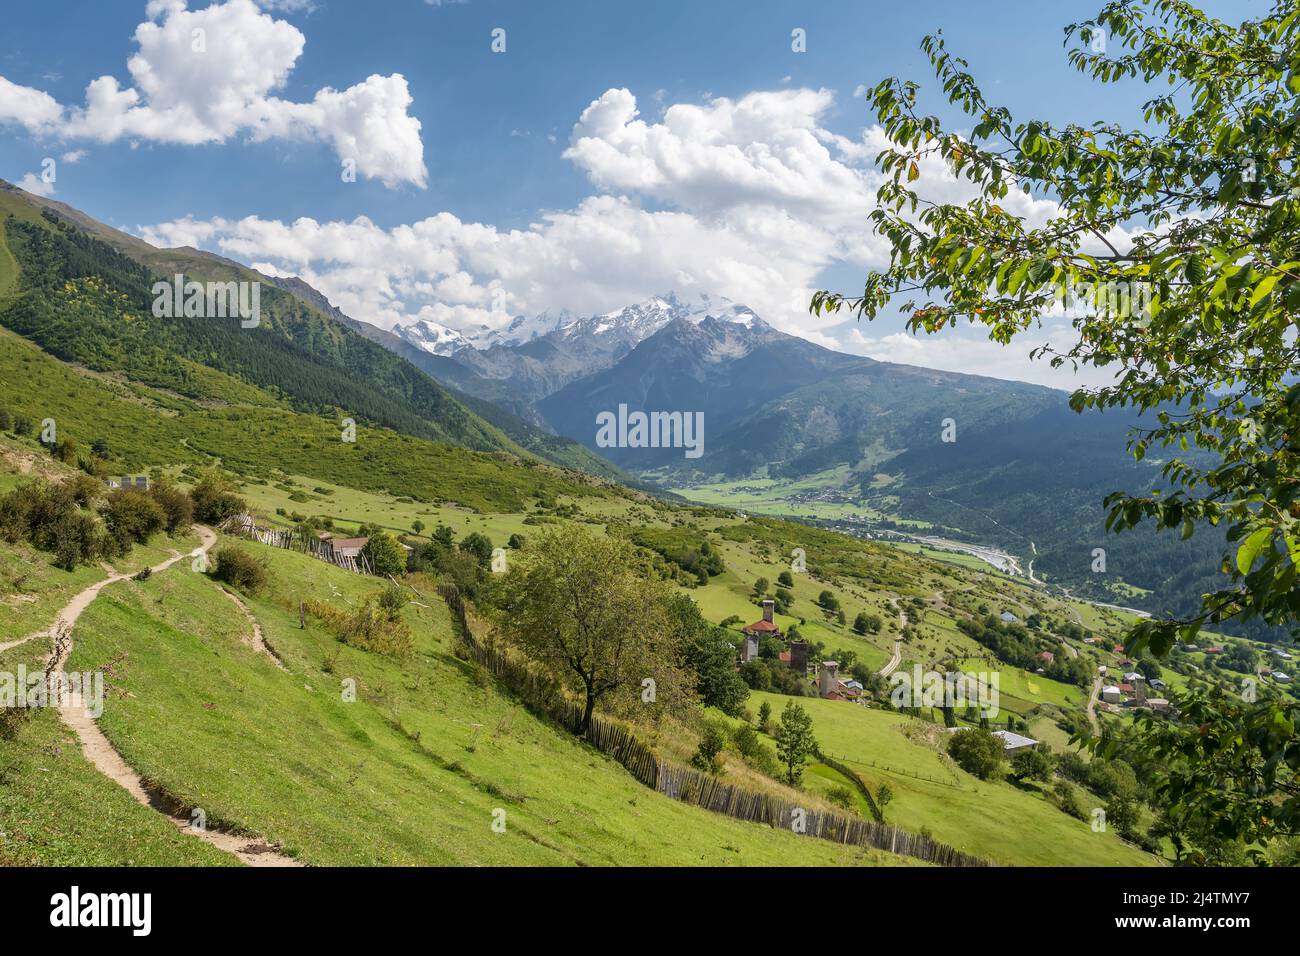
761 150
22 105
754 200
606 252
36 185
206 76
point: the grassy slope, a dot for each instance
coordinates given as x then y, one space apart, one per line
410 773
146 426
55 808
994 819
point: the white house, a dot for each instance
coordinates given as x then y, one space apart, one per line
1013 742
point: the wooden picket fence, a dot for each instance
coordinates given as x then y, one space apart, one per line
292 541
857 781
545 695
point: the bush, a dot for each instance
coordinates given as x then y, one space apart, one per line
480 546
747 742
842 797
133 516
76 540
707 755
86 490
977 752
239 569
1066 796
385 554
367 628
1031 763
176 505
391 601
215 500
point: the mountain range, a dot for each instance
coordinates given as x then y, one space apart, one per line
1024 473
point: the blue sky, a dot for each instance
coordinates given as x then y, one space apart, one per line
480 213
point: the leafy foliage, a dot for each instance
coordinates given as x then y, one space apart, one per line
1176 242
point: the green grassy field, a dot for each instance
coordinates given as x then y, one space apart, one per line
412 771
997 820
409 773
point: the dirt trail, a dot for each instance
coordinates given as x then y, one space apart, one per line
1092 706
255 639
897 658
24 640
99 750
894 661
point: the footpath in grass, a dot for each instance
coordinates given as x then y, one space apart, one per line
416 770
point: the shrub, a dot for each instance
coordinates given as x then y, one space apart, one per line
176 505
1066 796
391 601
707 755
366 628
132 516
86 490
977 752
1031 763
215 500
239 569
385 554
480 546
746 740
76 540
840 796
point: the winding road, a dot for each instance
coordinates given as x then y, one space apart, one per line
99 750
894 661
1092 705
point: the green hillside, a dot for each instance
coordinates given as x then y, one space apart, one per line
416 768
143 426
409 773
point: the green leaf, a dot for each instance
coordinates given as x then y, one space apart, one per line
1264 288
1250 548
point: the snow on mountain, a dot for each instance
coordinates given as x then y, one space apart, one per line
624 327
432 337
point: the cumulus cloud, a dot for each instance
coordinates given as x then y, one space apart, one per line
604 253
761 150
750 198
24 106
207 76
36 185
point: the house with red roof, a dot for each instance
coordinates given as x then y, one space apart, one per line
758 630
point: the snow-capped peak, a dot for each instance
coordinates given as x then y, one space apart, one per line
432 337
629 325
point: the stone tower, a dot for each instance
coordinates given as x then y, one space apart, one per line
828 679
